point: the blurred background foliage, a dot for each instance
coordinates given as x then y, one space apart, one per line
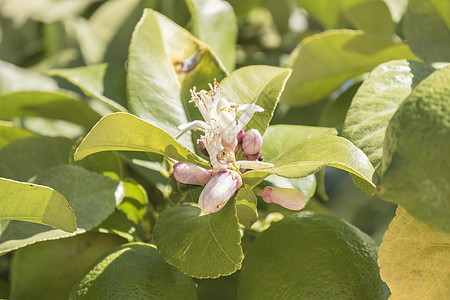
307 35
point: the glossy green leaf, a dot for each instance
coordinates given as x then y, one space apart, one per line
311 256
35 203
25 158
277 140
377 100
413 259
261 85
426 26
59 104
125 132
214 22
246 209
164 63
312 155
322 62
9 133
102 82
202 246
32 278
92 197
134 271
416 164
13 78
134 204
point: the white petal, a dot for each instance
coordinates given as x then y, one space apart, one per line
249 111
189 126
254 165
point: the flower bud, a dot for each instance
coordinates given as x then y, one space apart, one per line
188 173
252 143
201 146
288 198
219 190
252 156
240 136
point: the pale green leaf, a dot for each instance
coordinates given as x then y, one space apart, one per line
125 132
377 100
278 139
311 155
35 203
414 259
416 164
246 209
103 82
426 27
92 196
164 63
261 85
322 62
58 104
202 246
32 278
214 23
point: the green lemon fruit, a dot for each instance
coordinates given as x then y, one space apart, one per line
311 256
134 271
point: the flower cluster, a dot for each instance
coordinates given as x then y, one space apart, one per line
223 138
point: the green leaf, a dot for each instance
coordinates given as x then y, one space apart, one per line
34 203
9 133
246 209
202 246
134 271
106 39
164 63
426 26
25 158
62 105
125 132
32 278
214 22
277 140
13 78
311 256
377 100
222 288
413 259
92 197
103 82
416 164
134 205
324 61
261 85
312 155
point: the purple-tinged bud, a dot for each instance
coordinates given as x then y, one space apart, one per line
188 173
252 142
288 198
254 157
201 146
219 190
240 136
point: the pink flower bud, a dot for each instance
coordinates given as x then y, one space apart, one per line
188 173
240 136
288 198
252 142
219 190
252 156
201 146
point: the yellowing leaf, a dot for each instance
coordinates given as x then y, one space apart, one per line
414 259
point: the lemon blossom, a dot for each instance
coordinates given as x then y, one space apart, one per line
222 125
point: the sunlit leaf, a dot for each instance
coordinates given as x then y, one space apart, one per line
413 259
9 133
35 203
322 62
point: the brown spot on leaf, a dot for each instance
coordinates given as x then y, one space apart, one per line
187 64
